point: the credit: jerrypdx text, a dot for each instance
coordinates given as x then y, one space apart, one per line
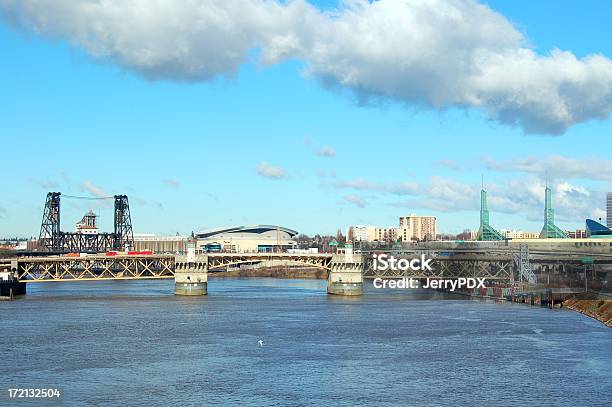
384 262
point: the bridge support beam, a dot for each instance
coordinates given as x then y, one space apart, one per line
346 275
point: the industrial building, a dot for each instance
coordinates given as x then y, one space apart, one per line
246 239
161 244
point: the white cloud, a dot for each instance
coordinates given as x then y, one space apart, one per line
555 166
444 195
571 203
94 190
525 197
193 40
434 53
442 53
266 170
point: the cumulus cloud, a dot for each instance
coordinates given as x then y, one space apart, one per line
555 166
94 189
268 171
524 197
442 53
185 41
433 53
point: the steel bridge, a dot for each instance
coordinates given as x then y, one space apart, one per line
217 261
90 268
491 268
128 267
53 240
496 265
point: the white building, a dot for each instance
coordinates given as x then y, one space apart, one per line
519 234
413 227
88 225
247 239
358 233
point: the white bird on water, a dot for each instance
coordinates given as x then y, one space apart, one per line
260 342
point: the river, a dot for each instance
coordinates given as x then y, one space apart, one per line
135 343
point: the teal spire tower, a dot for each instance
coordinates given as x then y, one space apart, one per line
486 232
550 230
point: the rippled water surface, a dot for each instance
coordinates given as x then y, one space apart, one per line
135 343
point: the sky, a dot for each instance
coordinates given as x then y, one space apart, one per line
310 115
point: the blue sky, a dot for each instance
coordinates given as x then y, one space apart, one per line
275 143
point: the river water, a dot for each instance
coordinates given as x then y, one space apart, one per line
135 343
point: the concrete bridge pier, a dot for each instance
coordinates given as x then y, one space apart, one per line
346 275
191 281
10 286
191 275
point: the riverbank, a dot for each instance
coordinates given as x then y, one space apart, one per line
592 305
275 272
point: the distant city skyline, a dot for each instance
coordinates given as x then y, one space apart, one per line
276 129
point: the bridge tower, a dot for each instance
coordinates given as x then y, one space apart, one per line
346 275
191 275
49 238
550 230
123 238
486 232
522 260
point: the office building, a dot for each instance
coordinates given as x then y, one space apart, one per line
414 227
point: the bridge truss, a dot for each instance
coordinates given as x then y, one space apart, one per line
223 260
447 267
93 268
